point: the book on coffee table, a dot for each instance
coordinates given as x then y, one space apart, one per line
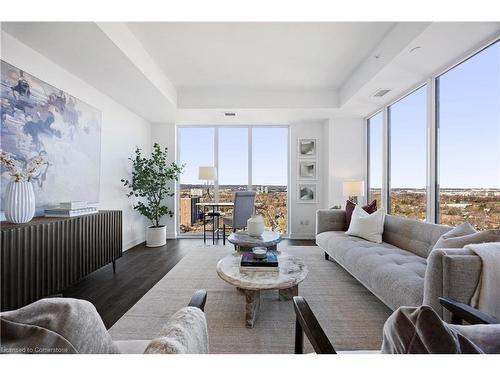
251 263
249 260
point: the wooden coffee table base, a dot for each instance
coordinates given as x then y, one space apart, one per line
252 302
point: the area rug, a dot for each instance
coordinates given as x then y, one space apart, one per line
351 316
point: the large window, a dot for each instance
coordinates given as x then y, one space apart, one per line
442 168
270 175
375 158
407 156
196 148
468 98
245 158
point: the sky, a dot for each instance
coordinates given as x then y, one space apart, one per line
269 154
469 121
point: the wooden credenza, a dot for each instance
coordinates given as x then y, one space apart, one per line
46 255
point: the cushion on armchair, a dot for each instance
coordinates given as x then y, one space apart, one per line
55 325
185 333
419 330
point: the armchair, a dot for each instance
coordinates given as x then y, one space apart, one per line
307 323
67 325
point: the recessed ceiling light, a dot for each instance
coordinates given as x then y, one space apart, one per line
415 49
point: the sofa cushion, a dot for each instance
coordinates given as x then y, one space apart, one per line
415 236
396 276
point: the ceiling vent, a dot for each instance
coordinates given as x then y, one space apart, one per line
230 114
381 93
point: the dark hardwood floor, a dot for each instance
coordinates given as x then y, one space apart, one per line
137 271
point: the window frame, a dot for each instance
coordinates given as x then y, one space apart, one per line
215 150
432 147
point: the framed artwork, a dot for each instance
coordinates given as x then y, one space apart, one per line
41 120
306 193
307 147
307 170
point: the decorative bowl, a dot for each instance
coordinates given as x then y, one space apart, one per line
259 252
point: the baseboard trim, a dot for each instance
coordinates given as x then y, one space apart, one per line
302 236
133 243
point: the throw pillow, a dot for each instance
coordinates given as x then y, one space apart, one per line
55 326
349 208
489 235
420 330
459 231
367 226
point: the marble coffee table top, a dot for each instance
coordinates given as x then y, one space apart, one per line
292 271
243 239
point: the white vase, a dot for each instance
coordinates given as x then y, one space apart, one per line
19 202
255 226
156 236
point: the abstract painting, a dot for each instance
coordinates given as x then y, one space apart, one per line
307 170
307 147
307 193
38 119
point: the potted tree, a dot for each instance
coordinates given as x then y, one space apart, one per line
151 182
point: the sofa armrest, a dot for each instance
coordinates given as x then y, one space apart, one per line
329 220
450 273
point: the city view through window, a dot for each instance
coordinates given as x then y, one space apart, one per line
469 141
468 160
266 172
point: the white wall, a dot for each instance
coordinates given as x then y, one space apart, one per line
303 215
122 131
347 156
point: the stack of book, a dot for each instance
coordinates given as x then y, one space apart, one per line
253 264
70 209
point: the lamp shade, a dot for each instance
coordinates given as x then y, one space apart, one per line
353 188
207 173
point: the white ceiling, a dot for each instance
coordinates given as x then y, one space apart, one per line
262 55
156 68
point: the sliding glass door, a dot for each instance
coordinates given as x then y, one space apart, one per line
246 158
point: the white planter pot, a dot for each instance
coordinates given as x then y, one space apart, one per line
19 202
156 236
255 226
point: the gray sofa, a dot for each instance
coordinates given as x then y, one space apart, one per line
402 270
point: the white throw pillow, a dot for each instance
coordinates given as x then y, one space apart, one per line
367 226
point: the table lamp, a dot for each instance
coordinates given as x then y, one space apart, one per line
353 190
208 174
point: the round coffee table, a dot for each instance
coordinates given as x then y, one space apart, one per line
292 271
243 241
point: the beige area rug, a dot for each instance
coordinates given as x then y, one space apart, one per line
351 316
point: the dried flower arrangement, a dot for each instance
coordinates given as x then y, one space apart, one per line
21 171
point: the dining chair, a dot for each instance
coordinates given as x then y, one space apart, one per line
244 206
